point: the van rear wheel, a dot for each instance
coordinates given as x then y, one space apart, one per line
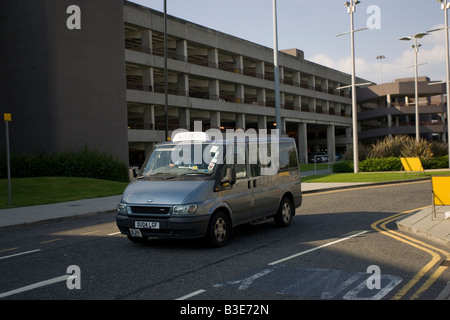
218 230
285 213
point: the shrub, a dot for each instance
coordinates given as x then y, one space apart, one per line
83 163
403 146
381 164
435 162
343 167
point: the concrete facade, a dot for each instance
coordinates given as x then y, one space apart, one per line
102 85
226 82
65 88
389 109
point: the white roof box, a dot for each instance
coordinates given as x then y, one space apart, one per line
190 136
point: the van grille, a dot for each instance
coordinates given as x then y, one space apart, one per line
150 210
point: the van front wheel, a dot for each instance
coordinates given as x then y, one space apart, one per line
218 230
285 213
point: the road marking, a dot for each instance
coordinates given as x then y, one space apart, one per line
436 258
90 232
316 248
191 294
34 286
114 233
10 249
19 254
52 240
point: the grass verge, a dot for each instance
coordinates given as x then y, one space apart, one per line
45 190
372 176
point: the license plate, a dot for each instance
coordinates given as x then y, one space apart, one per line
146 224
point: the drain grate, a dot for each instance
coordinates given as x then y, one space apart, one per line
445 263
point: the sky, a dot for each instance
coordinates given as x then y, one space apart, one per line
312 26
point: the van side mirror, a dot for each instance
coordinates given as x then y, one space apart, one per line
230 177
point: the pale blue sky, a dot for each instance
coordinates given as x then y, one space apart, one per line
312 26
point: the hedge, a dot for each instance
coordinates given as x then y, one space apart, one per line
388 164
84 163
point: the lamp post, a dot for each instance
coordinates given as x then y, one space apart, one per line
276 69
166 85
381 57
445 5
415 47
351 8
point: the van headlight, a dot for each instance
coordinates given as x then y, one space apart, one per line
122 208
184 209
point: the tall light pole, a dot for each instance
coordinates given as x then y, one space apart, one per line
351 8
381 57
445 6
415 47
276 69
166 85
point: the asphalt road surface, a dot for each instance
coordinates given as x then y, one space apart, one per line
342 245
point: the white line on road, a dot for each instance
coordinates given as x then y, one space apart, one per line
19 254
191 294
316 248
35 285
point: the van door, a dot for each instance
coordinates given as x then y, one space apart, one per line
265 193
240 195
265 187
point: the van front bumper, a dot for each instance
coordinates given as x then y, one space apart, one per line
172 227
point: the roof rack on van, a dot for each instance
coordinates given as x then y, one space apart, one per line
191 136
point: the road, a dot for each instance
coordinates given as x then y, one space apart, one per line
342 245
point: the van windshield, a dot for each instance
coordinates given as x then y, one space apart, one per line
173 160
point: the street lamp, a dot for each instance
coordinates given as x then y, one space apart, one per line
445 6
276 70
351 8
381 57
415 48
166 85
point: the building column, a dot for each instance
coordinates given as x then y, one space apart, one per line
389 116
213 58
214 89
147 79
147 41
302 131
331 143
184 118
239 93
149 117
260 71
262 122
261 96
182 52
183 84
239 64
214 119
312 104
240 121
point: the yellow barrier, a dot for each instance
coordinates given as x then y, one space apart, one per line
441 191
411 164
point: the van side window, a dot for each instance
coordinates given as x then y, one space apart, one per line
288 156
241 168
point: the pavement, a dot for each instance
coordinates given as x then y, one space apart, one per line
422 223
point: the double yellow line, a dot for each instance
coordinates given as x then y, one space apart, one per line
435 253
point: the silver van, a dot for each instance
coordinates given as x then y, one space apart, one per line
195 187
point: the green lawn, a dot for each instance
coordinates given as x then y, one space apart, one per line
372 176
44 190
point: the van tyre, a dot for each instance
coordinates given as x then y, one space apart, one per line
218 230
283 218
